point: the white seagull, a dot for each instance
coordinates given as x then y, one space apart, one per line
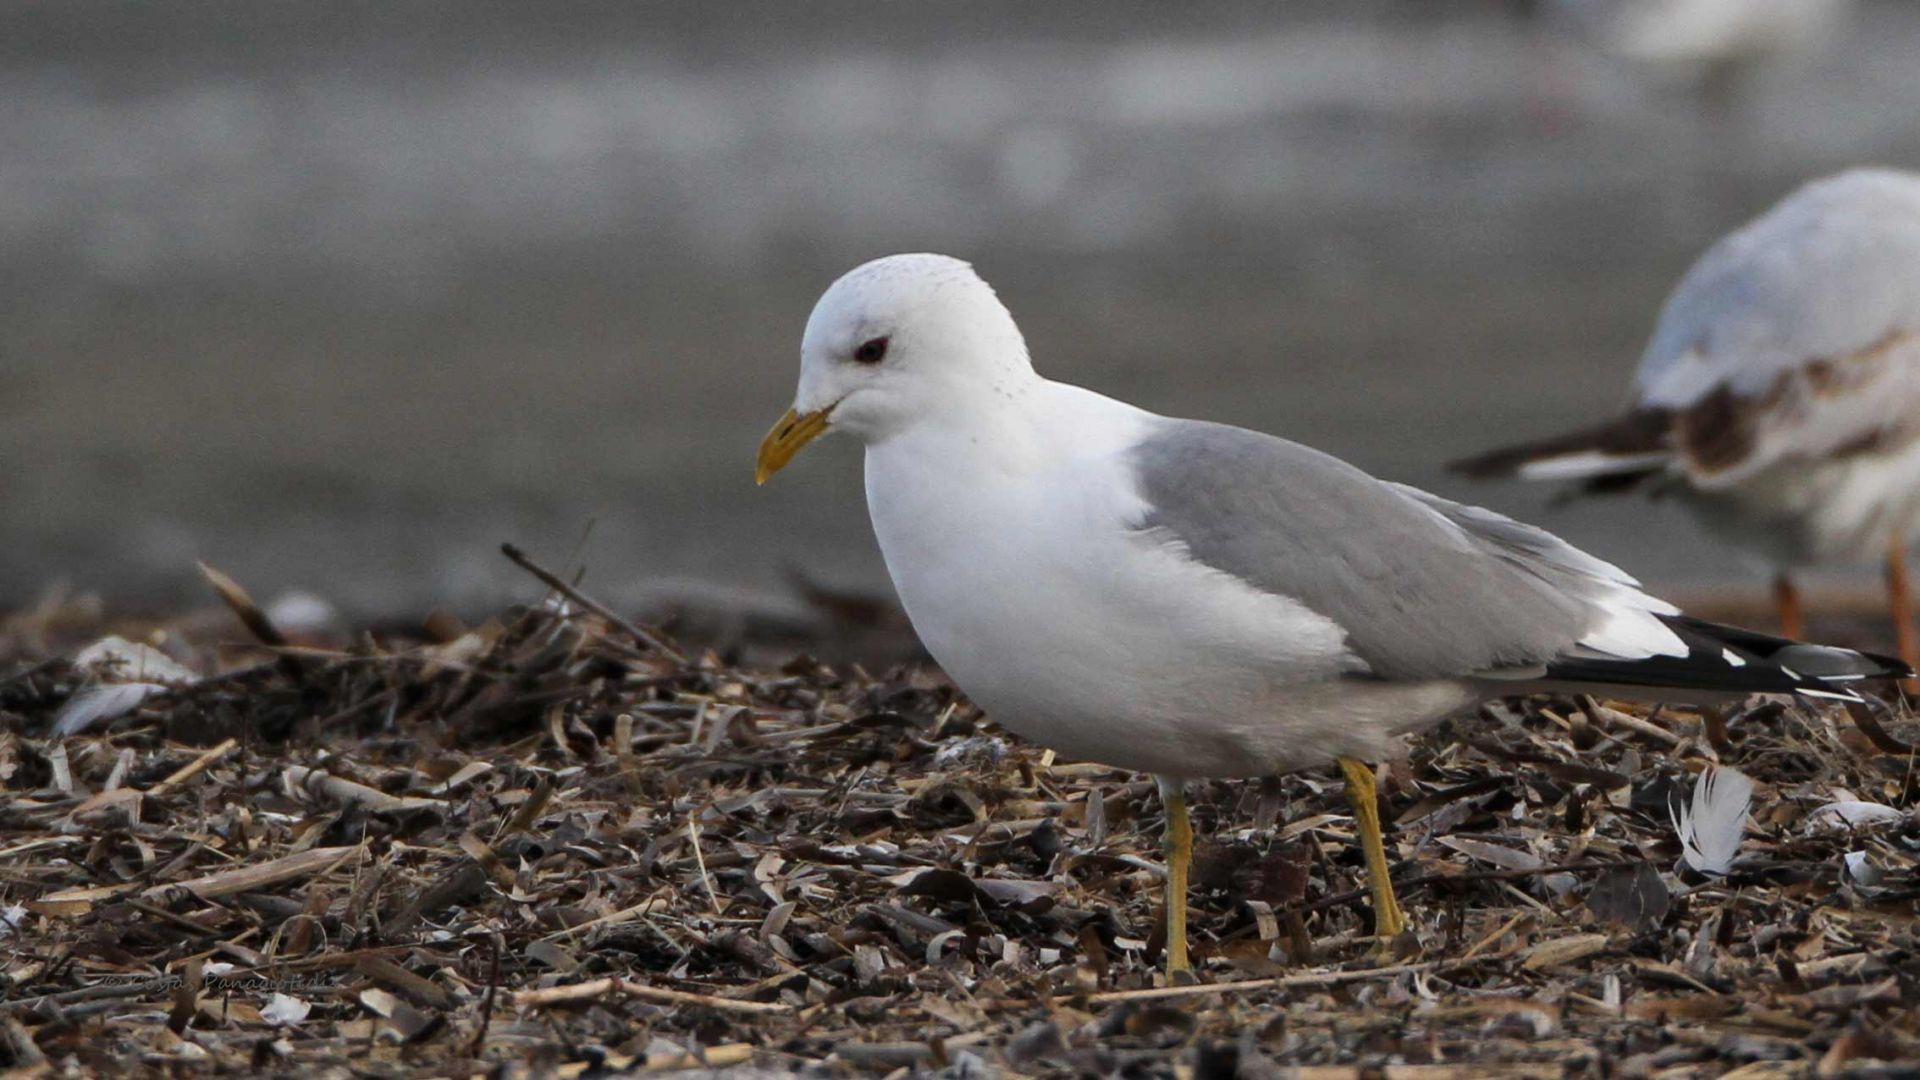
1190 599
1779 398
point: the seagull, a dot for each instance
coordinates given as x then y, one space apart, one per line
1192 600
1779 398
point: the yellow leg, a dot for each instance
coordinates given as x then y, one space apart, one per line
1179 844
1388 921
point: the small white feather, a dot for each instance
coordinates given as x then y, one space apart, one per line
98 703
115 659
124 673
1713 823
1849 812
285 1011
1860 870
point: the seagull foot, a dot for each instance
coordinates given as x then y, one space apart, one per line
1392 940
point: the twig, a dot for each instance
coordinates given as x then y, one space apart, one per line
96 992
1543 909
1351 895
637 632
700 860
1633 723
528 811
710 1057
902 1055
27 1059
244 608
247 878
180 921
1869 726
416 989
1491 938
587 991
486 1005
626 914
255 620
192 768
1319 978
314 782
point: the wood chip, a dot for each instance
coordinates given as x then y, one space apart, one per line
1558 952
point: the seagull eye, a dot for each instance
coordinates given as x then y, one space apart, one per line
871 351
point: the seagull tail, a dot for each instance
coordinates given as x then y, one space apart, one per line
1613 456
1727 660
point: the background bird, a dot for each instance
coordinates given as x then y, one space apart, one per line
1779 397
1192 599
1713 45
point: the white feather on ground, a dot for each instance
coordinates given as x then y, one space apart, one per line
1860 870
97 703
1713 823
285 1011
115 658
126 674
1847 812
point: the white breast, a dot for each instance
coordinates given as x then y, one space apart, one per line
1031 586
1835 510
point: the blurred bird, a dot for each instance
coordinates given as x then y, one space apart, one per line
1780 395
1712 44
1192 599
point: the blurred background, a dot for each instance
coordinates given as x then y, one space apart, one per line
337 297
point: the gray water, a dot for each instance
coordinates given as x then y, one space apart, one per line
338 297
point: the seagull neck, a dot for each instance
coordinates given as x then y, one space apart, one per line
1002 428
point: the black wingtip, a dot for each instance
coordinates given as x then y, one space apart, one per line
1730 659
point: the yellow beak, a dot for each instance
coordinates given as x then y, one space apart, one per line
785 440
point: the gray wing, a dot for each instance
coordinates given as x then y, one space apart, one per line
1423 587
1832 272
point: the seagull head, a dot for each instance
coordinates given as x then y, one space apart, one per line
892 343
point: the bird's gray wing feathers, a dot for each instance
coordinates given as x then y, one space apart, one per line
1423 587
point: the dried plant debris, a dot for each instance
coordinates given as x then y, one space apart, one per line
559 843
